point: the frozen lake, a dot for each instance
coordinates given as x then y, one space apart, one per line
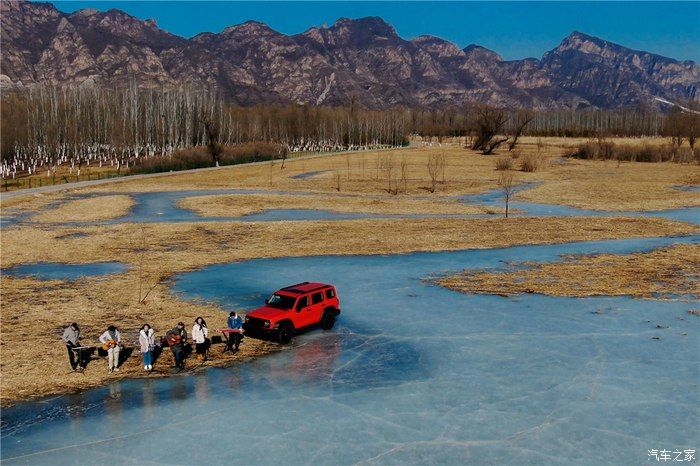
163 207
61 271
412 373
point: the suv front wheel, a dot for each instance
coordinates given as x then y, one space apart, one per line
328 320
285 334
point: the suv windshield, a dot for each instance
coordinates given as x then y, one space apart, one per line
281 301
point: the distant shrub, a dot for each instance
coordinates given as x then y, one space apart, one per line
635 153
532 162
504 163
199 157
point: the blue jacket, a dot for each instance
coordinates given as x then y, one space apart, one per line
235 322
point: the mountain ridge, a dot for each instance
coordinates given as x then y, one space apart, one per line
360 59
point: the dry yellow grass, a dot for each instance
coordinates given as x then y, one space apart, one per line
358 172
30 202
662 273
605 185
578 183
35 361
175 247
237 205
89 209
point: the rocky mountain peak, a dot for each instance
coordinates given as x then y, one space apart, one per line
363 31
437 46
584 43
477 52
364 58
249 28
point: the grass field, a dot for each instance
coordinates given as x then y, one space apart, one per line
382 182
578 183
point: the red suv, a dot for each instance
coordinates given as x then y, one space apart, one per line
293 308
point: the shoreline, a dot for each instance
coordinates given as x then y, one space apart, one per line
155 252
251 348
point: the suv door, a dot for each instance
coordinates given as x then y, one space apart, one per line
318 303
302 312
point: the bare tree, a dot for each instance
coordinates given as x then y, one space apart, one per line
507 184
213 145
489 124
388 165
433 170
674 127
283 155
403 168
337 178
523 118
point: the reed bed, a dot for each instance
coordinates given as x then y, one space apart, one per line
667 273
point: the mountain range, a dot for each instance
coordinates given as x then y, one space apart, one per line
361 59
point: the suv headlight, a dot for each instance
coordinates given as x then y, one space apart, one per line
267 323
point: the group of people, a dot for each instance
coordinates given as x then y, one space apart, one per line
176 338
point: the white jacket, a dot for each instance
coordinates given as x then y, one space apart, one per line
199 334
147 342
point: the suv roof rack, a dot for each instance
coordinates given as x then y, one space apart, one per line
293 286
304 287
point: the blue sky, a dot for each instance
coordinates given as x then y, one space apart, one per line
513 29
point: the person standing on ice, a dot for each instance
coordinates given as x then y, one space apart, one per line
199 335
177 337
71 337
147 343
111 341
235 322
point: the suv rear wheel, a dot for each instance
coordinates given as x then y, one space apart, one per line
328 320
285 334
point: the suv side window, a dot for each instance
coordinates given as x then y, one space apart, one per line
316 298
330 293
302 303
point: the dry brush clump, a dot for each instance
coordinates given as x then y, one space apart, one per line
201 157
652 153
504 163
668 273
533 162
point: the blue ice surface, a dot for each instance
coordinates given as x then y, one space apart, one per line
412 374
687 187
494 198
162 207
307 175
62 271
